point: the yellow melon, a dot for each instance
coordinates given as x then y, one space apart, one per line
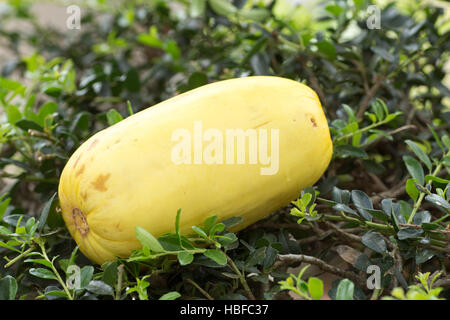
236 148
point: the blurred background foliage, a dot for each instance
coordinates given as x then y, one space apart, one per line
379 88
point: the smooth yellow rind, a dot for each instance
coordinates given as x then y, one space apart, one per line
124 176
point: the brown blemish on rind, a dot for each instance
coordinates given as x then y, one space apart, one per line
76 162
84 196
313 121
80 221
117 141
93 144
261 124
80 171
100 183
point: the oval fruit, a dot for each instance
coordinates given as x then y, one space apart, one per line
242 147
